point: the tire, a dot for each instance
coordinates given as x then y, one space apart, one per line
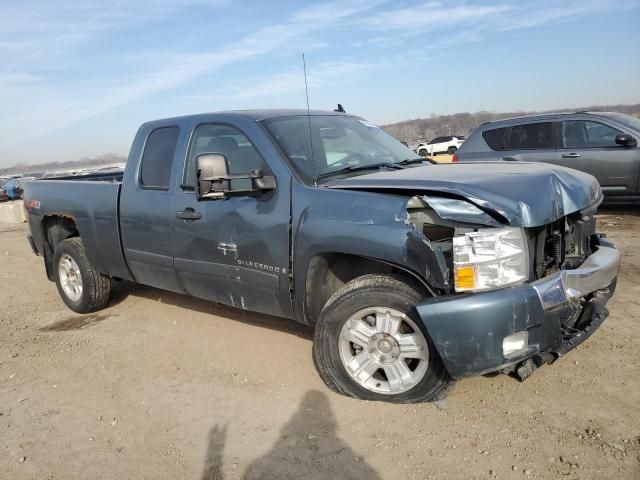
423 152
451 150
70 262
387 296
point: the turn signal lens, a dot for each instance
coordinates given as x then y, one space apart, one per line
465 278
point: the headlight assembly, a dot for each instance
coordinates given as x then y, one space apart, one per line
490 258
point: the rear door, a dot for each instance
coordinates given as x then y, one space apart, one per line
145 206
233 251
589 146
435 145
531 142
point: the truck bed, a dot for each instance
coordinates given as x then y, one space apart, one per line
93 203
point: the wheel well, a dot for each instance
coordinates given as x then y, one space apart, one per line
56 228
328 272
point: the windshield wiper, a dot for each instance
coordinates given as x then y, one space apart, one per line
355 168
408 161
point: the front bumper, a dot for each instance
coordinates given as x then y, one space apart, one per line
559 312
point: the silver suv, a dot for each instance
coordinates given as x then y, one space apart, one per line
604 144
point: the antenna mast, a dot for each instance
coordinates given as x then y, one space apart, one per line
306 91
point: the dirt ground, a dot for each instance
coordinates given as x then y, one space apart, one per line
159 386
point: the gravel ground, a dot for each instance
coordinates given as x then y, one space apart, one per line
160 385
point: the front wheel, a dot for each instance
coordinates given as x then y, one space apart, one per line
451 150
370 343
423 152
81 287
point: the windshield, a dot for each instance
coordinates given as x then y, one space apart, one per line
339 143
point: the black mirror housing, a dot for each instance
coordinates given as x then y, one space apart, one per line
626 140
214 180
210 166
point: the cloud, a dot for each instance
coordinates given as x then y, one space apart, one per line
61 106
430 15
471 20
320 76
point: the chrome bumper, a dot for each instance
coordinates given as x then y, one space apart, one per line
598 271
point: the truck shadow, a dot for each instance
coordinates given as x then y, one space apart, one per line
75 322
124 289
308 447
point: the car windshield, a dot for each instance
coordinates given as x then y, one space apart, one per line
343 145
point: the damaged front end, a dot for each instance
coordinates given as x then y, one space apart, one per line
554 305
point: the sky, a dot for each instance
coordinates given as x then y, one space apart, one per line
77 78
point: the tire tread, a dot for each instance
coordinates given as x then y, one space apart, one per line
97 285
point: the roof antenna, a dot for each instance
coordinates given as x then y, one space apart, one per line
306 91
340 109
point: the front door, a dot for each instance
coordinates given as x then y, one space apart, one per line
236 250
590 146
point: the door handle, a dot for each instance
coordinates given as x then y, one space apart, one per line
570 155
188 214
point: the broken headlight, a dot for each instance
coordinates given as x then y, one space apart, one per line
490 258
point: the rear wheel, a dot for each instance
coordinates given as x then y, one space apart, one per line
81 287
370 343
451 150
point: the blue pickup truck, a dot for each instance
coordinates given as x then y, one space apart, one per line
412 274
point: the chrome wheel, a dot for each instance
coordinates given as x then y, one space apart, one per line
70 277
383 350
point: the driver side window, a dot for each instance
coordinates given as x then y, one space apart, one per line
586 134
242 156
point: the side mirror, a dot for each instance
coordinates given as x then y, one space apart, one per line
215 182
212 170
626 140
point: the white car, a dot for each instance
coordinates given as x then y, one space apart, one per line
448 144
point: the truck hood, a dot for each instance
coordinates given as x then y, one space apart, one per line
523 194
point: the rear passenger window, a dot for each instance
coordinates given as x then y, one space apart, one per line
494 138
531 136
157 158
242 156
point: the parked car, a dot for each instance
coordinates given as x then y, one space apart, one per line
448 144
13 188
412 274
604 144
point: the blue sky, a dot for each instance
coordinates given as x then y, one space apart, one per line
77 78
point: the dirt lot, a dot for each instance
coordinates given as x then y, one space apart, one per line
163 386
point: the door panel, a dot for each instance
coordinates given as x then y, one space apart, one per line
145 212
237 252
590 146
530 142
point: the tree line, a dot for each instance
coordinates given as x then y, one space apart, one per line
104 159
